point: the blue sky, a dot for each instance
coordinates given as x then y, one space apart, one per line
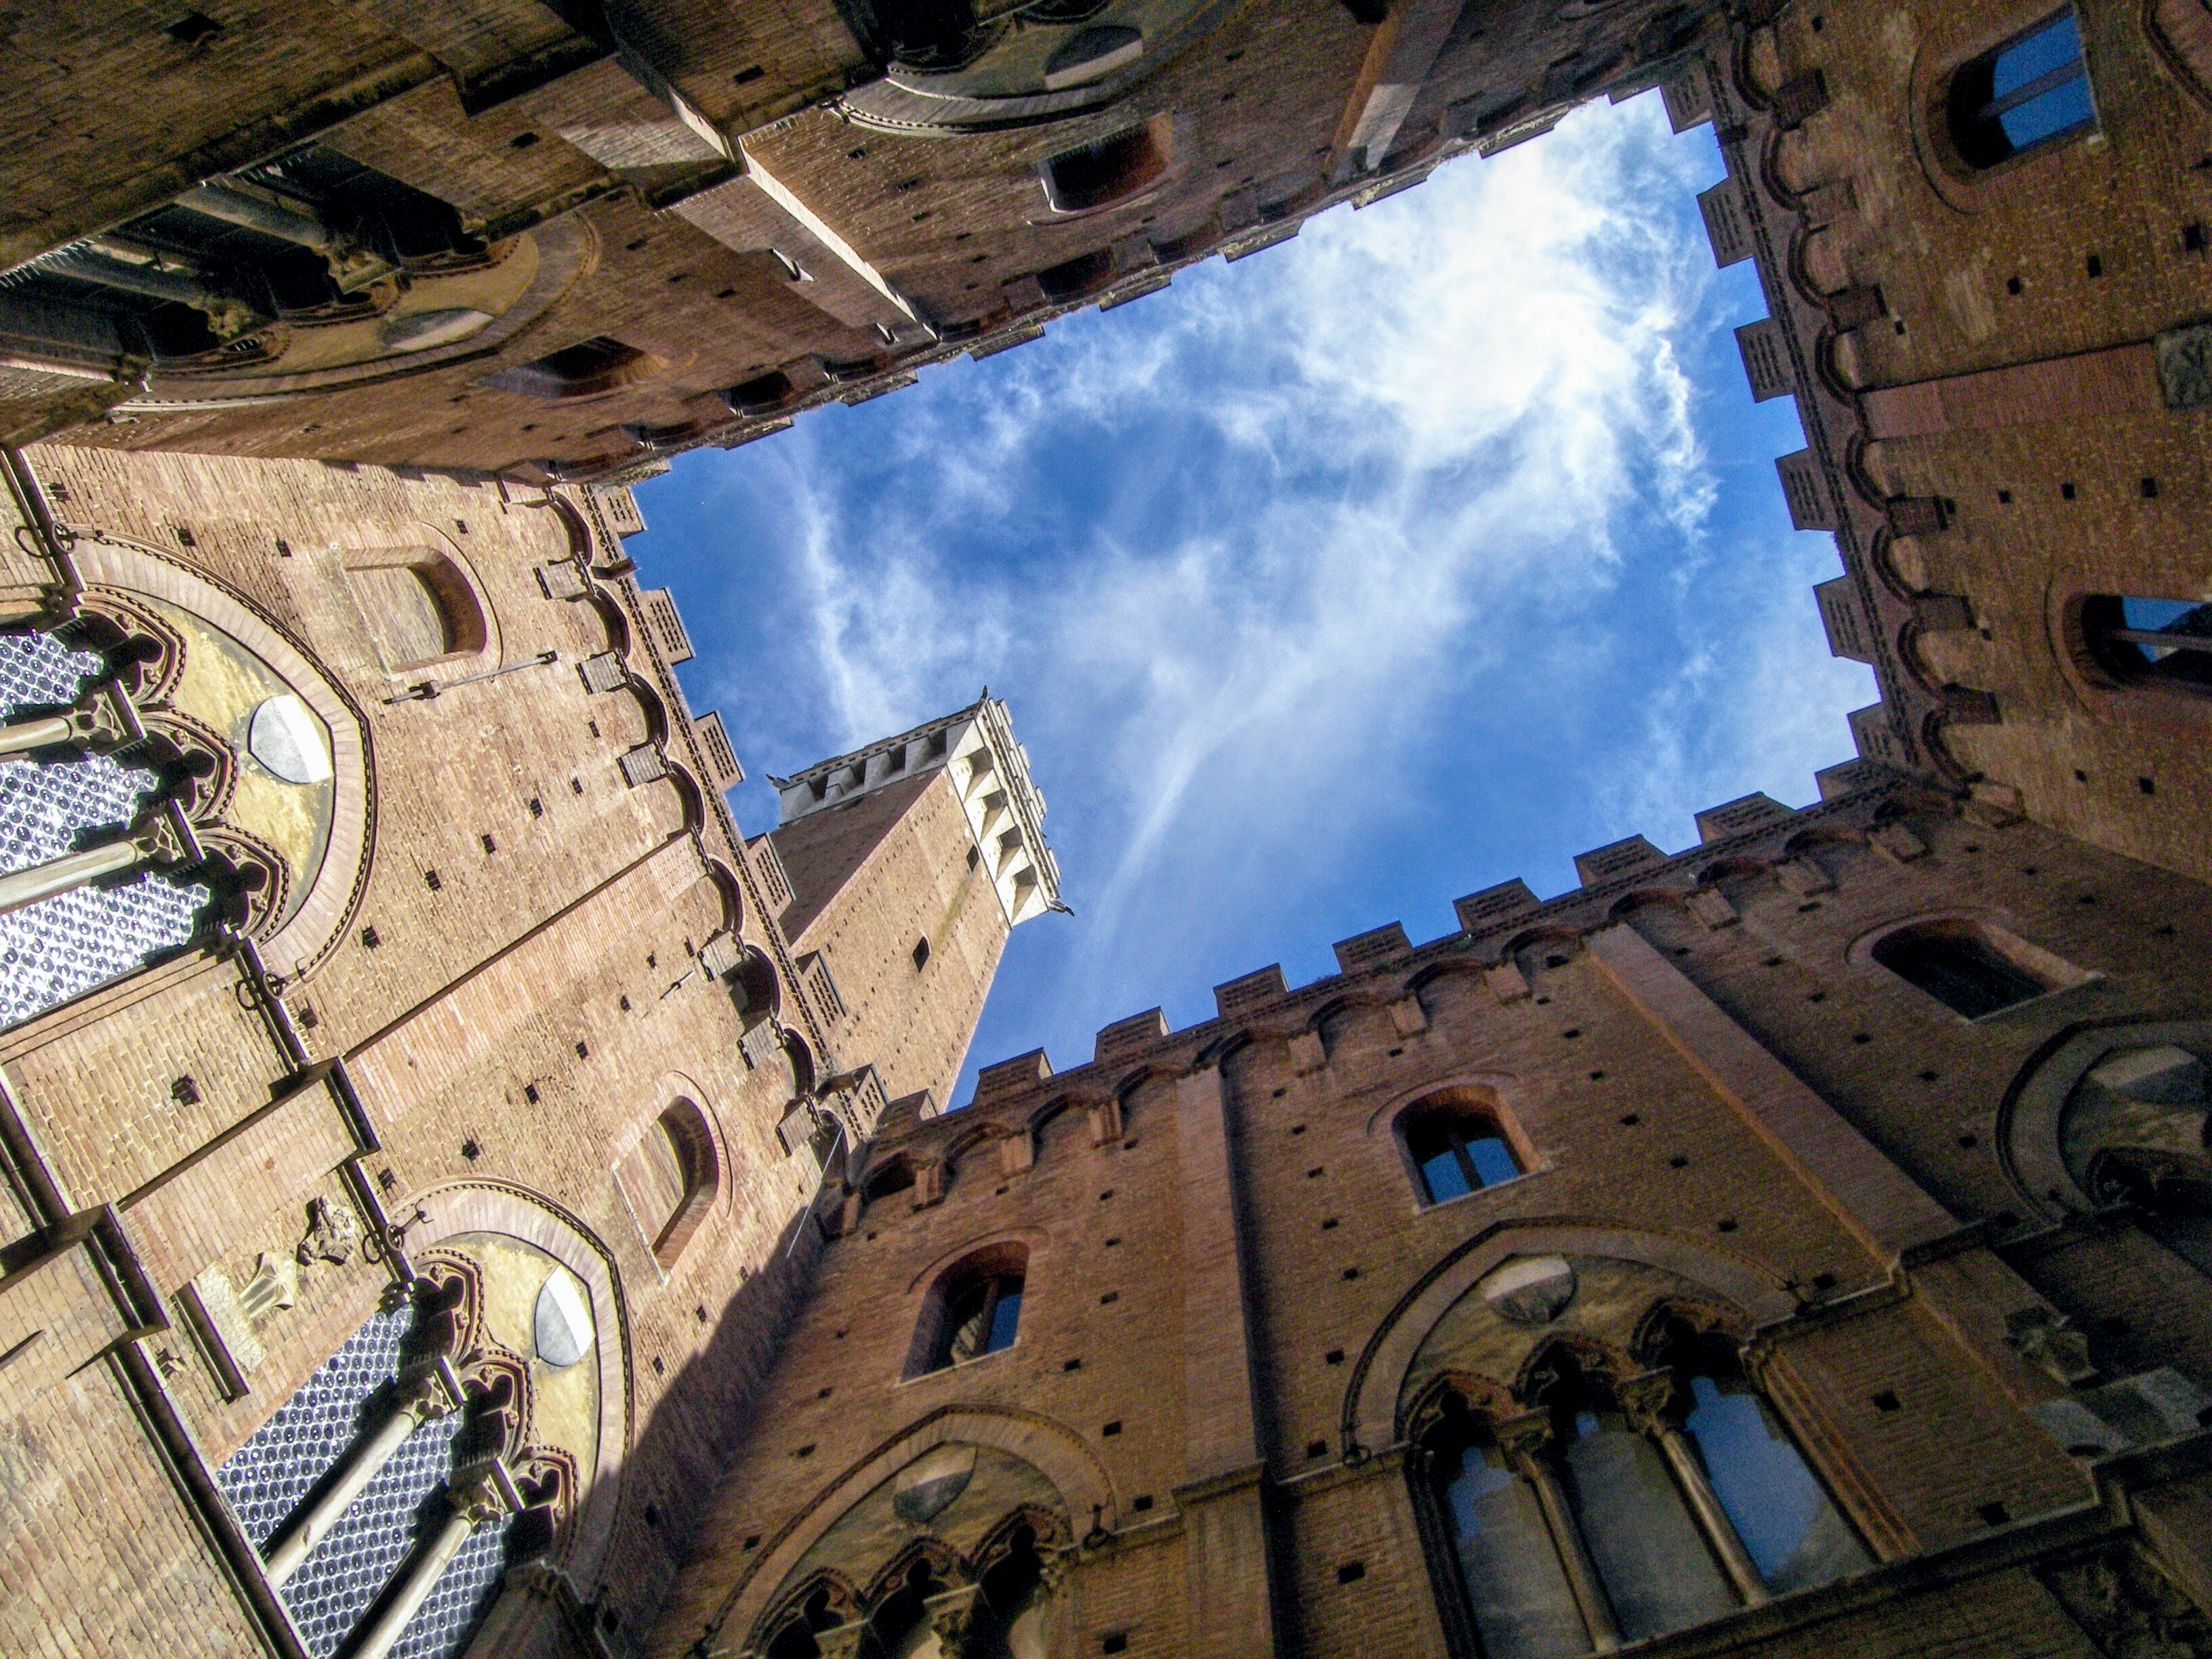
1425 550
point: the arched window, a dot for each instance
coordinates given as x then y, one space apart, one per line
975 1309
1614 1511
1960 965
1109 169
2147 641
598 364
419 607
1457 1147
2032 90
670 1178
896 1178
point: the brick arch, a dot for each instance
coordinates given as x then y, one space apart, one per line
1370 1414
319 920
1055 1451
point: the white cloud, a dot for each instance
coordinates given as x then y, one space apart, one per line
1254 555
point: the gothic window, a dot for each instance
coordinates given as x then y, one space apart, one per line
1597 1510
2147 641
977 1309
335 1588
70 942
897 1178
2031 91
1957 963
1109 170
419 607
1456 1148
670 1179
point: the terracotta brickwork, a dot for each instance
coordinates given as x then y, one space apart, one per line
1229 1257
1976 351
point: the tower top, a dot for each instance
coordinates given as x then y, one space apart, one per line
989 771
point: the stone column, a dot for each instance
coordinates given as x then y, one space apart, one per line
162 837
475 1499
1645 1399
428 1394
1526 1440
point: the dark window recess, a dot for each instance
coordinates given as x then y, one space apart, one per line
598 364
760 394
1351 1572
2140 641
1071 279
1953 963
1457 1151
1108 169
982 1316
193 27
2030 92
185 1091
929 34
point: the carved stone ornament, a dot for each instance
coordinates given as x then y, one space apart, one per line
1530 1289
2129 1610
333 1231
275 1284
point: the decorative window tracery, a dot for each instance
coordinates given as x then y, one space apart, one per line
1457 1147
1604 1498
974 1309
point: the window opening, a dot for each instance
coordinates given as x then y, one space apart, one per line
2030 92
1516 1587
598 364
1458 1151
1953 963
1108 169
2142 641
983 1314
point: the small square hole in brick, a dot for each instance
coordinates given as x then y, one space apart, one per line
699 1313
583 1051
1678 1162
2148 786
1107 1193
1314 1173
652 1511
1114 1640
370 939
1111 1242
1862 1038
2012 285
2095 265
1335 1356
1887 1401
1969 1140
1330 1223
1994 1514
2066 492
1572 1033
1351 1572
431 880
489 845
2149 488
1316 1449
1629 1120
1297 1128
1277 1094
185 1091
575 786
2192 238
1726 1225
1824 1281
1141 1503
998 1192
659 1366
752 1541
1597 1077
624 1003
823 1394
536 807
471 1150
1351 1272
806 1451
1110 1298
530 1093
1071 1364
1115 1427
1930 1077
2004 498
386 1181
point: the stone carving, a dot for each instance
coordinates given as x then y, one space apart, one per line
2184 366
333 1231
2048 1340
275 1284
2129 1610
1530 1290
926 1487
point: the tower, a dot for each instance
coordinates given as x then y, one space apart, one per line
910 862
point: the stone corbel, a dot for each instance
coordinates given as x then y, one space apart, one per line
1711 906
1804 878
1896 843
1506 981
1016 1153
1105 1120
1307 1056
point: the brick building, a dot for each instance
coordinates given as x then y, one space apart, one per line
463 1197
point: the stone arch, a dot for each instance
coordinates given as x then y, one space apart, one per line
424 605
1056 1452
318 918
448 1211
1371 1412
2031 1125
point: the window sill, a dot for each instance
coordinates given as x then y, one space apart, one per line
1431 1207
962 1365
2088 988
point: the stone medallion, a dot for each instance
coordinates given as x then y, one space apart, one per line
1530 1289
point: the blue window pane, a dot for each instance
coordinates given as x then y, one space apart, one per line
1795 1534
2151 614
2061 110
1493 1160
2058 42
1442 1176
1004 1320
